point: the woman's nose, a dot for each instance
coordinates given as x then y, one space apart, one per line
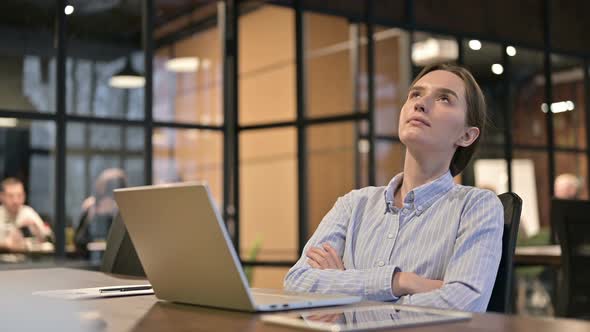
419 106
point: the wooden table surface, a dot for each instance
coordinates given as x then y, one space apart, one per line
21 310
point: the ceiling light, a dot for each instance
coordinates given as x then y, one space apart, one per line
183 65
127 78
559 107
497 69
511 50
69 10
8 122
475 44
432 51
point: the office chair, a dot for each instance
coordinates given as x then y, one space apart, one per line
502 294
571 220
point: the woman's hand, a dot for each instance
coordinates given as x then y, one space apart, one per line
405 283
324 257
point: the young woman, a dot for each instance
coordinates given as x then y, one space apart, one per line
422 239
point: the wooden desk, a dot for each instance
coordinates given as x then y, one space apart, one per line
549 255
146 313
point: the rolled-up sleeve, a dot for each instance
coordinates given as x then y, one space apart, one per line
471 272
372 284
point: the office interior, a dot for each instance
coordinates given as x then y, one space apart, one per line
281 107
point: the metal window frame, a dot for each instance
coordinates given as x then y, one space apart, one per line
231 127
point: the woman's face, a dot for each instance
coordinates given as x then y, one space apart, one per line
433 116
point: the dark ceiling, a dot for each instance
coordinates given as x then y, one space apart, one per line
98 26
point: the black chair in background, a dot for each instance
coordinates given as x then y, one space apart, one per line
502 294
571 221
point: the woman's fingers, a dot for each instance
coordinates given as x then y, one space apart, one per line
313 264
334 256
331 260
325 257
319 257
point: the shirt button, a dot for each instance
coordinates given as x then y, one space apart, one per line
390 236
380 263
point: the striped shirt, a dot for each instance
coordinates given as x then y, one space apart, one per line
444 231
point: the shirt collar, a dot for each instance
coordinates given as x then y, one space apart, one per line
422 197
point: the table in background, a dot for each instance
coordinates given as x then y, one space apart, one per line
549 255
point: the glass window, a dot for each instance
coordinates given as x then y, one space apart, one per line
535 195
390 158
189 155
331 167
268 194
99 158
527 94
487 169
267 65
484 60
104 66
568 104
392 78
576 164
27 152
429 49
329 51
266 277
188 66
27 57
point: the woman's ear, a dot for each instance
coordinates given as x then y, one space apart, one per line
470 135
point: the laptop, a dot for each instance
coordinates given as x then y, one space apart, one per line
187 254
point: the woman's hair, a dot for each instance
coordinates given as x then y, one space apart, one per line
475 116
109 180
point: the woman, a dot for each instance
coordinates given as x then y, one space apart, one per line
99 210
422 239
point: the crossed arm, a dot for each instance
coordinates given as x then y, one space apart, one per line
403 283
468 278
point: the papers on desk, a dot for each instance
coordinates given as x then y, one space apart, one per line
98 292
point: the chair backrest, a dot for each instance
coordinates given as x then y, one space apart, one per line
571 220
501 299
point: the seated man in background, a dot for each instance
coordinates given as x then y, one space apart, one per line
17 219
567 186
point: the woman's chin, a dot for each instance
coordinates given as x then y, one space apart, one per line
414 140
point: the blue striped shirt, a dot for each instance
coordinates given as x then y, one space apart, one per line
444 231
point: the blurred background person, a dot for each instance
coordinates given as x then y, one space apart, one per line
536 284
567 186
99 210
17 220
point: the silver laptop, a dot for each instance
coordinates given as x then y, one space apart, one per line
187 254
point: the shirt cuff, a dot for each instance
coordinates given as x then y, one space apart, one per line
378 284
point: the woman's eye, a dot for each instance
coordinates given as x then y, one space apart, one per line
414 94
445 99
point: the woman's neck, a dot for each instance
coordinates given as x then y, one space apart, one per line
419 170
